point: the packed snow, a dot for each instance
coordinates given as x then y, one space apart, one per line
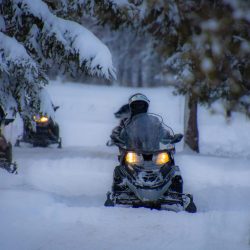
56 200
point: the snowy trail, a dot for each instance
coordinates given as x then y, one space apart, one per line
57 203
56 200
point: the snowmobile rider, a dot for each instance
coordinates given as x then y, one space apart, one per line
5 147
138 104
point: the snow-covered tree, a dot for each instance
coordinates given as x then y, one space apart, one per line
212 62
133 52
35 41
136 60
21 77
205 45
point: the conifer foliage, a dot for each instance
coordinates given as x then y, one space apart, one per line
35 41
206 46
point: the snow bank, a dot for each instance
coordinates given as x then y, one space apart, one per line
220 137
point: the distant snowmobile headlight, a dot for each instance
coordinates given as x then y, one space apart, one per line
40 119
36 117
44 119
162 158
132 158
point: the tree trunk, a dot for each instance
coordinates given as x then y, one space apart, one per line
139 75
121 74
129 77
191 124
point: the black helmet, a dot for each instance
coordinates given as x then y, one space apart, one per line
138 103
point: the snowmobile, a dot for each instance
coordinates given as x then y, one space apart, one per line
6 157
147 175
6 152
46 132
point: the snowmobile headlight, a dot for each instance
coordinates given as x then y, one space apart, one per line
36 118
44 119
41 119
162 158
132 158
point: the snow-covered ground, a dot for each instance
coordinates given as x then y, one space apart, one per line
56 200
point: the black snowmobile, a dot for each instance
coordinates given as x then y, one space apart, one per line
6 152
147 175
45 133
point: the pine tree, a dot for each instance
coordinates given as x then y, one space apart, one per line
35 41
205 45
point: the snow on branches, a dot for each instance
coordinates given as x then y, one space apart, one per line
205 44
20 76
33 42
65 43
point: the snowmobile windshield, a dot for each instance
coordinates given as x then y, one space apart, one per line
146 133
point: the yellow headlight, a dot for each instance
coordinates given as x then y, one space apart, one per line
162 158
36 118
132 158
41 119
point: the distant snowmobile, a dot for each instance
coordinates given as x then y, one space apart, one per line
6 150
147 175
46 132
